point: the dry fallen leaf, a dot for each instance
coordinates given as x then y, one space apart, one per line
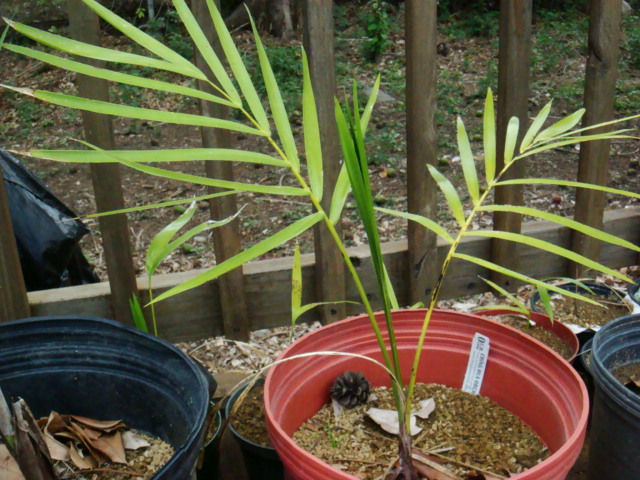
132 441
9 469
104 426
426 408
81 461
388 421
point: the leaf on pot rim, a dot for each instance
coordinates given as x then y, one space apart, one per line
132 441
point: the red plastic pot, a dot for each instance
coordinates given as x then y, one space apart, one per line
543 321
522 375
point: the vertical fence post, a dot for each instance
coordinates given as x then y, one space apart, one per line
107 185
318 43
13 294
513 98
421 39
599 93
226 239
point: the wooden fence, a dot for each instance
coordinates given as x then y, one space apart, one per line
257 295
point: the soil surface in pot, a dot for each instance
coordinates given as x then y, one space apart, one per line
141 464
468 433
629 376
248 419
548 337
570 311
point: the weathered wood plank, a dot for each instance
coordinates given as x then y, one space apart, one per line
513 98
14 303
226 239
267 281
318 43
107 185
599 96
421 39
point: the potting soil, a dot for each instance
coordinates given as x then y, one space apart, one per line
468 433
571 311
248 419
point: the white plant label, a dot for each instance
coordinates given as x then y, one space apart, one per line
477 364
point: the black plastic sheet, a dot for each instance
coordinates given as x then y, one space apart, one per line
46 235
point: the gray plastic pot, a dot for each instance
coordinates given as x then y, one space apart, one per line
615 428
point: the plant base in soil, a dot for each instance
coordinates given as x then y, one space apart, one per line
468 433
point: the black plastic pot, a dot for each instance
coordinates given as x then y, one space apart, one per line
615 428
102 369
632 290
261 463
209 462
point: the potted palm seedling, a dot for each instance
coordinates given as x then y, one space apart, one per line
413 346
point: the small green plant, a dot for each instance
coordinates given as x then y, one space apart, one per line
377 26
352 123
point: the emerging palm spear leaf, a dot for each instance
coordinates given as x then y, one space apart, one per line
354 175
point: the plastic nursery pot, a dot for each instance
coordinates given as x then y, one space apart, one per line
522 375
261 463
105 370
209 460
615 424
633 291
597 289
563 332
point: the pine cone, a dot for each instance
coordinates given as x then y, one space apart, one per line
350 389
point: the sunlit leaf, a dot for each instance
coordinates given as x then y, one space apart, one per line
549 247
518 276
312 143
450 194
247 255
169 203
424 221
156 252
138 317
156 156
522 308
468 164
566 222
143 39
511 139
82 49
239 70
535 127
118 77
296 285
203 45
139 113
561 126
198 180
543 147
546 301
489 136
280 116
340 194
568 183
368 109
393 300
